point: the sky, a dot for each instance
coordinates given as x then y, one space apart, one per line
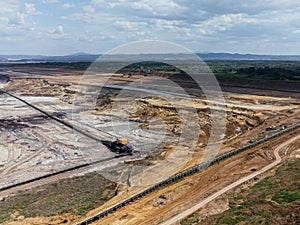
61 27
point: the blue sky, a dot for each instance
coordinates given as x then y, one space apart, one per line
59 27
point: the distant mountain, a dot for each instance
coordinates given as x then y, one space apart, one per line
236 56
86 57
79 54
78 57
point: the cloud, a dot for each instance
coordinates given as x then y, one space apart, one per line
251 7
200 24
14 15
30 9
7 7
159 8
68 5
167 25
112 3
88 9
130 26
50 1
221 23
133 30
296 31
142 8
17 19
189 21
60 30
56 33
10 17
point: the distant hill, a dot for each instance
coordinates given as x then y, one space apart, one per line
85 57
78 57
236 56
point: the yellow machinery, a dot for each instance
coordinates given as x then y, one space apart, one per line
121 145
122 141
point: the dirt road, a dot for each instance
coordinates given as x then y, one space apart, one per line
193 209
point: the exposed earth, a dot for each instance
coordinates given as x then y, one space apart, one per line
34 145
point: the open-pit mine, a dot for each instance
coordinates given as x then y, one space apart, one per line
55 131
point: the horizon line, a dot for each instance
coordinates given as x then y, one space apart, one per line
95 54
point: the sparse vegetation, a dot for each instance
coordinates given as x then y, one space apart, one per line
270 70
76 196
284 196
274 200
